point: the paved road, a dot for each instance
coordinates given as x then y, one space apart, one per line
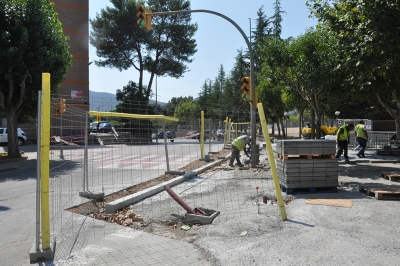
17 208
18 183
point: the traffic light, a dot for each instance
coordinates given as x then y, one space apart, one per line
148 19
140 14
144 20
246 95
60 109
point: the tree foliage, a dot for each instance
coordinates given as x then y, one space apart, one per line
305 64
187 111
163 51
368 32
32 42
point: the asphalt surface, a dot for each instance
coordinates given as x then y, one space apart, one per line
366 233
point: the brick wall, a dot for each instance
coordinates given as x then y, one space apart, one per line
74 16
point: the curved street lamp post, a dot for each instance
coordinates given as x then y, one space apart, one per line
337 113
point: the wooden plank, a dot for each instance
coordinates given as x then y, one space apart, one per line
286 157
383 195
381 192
345 203
394 177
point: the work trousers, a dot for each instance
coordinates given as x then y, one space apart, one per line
363 145
343 147
235 155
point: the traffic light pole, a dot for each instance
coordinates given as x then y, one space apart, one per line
254 156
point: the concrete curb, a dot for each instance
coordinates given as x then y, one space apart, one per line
119 204
369 161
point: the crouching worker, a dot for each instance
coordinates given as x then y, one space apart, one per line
237 145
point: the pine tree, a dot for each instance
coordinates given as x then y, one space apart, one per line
277 19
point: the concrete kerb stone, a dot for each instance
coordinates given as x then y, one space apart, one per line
119 204
383 161
369 161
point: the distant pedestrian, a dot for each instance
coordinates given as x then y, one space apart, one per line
237 145
362 137
343 140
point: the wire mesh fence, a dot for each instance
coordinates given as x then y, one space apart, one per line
121 156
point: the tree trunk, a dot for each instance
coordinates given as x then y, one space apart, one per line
12 125
312 123
279 128
273 129
393 112
301 115
397 121
318 130
284 129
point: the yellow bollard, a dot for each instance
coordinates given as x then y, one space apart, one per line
45 161
272 162
202 135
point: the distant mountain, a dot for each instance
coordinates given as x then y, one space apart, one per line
106 101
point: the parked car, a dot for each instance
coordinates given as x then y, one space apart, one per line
206 135
93 124
21 136
160 135
220 134
170 134
191 135
103 127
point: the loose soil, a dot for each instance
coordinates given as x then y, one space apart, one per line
125 217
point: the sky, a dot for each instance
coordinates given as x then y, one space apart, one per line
217 43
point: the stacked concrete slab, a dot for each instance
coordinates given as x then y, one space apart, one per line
305 146
298 172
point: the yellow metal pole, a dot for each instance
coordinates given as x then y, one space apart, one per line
272 162
226 137
44 158
202 135
229 127
113 114
236 132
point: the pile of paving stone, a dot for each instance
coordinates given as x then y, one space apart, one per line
306 163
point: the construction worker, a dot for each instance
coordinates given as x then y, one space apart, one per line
237 145
343 140
362 137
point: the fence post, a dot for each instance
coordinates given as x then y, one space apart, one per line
165 145
46 252
86 160
272 162
202 135
39 122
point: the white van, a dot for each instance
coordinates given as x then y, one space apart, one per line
4 137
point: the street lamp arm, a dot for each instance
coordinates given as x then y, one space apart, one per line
252 74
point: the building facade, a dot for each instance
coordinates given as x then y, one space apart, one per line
74 16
